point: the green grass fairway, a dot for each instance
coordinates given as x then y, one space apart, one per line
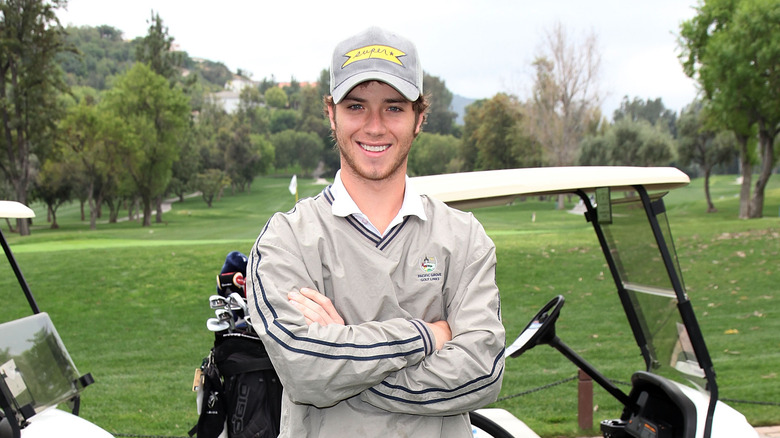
131 303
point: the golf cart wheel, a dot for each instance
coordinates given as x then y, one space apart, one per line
488 426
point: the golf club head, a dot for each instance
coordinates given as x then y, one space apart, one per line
217 302
236 299
237 302
215 325
224 315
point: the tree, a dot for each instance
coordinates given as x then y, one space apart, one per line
186 168
266 84
103 53
214 73
100 53
565 95
731 48
294 148
246 155
211 119
155 50
323 84
312 117
471 121
293 93
89 140
628 143
440 117
596 150
311 103
30 81
652 111
700 145
210 183
433 154
284 119
54 186
266 156
275 97
155 115
494 136
249 100
637 143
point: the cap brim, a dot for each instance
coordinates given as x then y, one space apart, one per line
407 89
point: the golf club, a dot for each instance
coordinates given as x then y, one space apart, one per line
217 302
235 299
224 315
215 325
237 302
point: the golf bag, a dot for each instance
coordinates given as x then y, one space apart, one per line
240 395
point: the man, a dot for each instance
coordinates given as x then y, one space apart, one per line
378 306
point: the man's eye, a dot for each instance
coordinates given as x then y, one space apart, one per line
395 109
355 106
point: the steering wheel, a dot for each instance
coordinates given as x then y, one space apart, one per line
541 329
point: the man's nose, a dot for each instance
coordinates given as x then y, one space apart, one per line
375 123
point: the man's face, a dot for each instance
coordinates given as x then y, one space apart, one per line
374 127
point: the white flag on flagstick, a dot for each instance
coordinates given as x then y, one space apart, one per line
294 185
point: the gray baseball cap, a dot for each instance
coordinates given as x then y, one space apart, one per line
376 54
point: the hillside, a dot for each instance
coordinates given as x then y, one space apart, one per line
459 104
100 53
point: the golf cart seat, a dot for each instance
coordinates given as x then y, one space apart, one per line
660 409
36 371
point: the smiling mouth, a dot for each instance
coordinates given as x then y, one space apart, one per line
370 148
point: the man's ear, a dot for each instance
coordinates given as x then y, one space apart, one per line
332 116
420 121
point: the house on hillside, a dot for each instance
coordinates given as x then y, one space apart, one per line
229 97
238 83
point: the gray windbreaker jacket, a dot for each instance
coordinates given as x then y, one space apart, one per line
379 375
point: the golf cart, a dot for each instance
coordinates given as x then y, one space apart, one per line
36 371
676 394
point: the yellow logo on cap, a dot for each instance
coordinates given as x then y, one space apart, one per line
377 51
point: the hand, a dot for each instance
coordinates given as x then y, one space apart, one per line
441 331
316 308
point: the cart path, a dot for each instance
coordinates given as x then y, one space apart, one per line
769 432
166 206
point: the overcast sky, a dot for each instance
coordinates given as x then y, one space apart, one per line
479 48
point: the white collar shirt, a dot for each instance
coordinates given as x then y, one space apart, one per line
344 205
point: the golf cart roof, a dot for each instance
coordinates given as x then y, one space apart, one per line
498 187
15 210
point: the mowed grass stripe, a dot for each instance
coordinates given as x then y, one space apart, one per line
72 245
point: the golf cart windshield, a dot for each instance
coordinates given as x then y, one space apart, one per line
650 284
36 371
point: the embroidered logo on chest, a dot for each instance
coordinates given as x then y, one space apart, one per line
428 266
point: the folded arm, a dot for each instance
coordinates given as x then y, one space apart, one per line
324 364
466 373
